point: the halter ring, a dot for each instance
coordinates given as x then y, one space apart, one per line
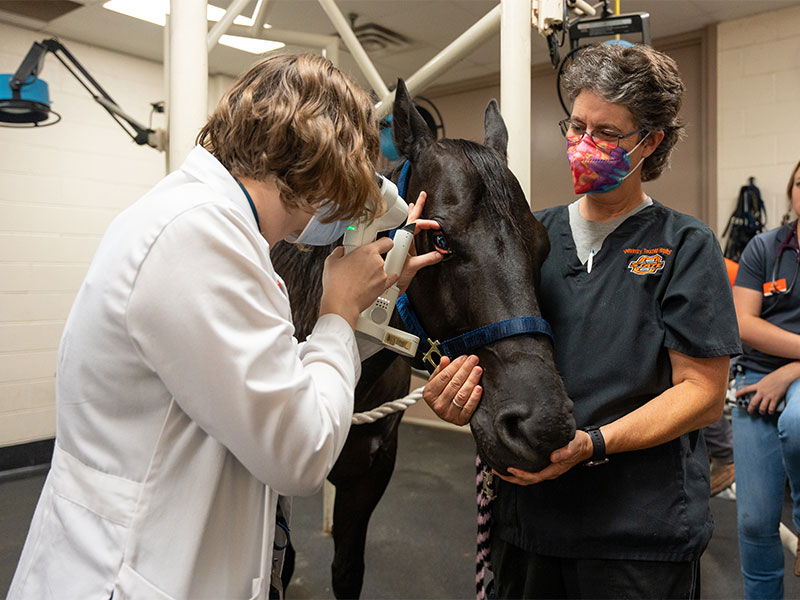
434 349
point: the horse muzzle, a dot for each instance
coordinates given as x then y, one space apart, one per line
522 417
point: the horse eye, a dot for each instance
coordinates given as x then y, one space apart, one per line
440 243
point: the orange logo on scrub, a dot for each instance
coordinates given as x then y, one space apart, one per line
646 264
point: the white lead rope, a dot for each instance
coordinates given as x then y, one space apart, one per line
387 408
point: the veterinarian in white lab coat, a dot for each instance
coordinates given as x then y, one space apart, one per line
185 406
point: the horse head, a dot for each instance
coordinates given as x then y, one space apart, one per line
494 250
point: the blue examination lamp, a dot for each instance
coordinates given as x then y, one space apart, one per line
26 106
387 142
25 99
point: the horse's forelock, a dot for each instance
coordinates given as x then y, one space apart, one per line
495 176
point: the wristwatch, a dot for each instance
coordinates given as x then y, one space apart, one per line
599 447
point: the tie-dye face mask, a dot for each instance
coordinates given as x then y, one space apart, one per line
598 166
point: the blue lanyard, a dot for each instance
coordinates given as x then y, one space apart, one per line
252 206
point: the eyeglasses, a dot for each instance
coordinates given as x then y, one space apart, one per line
574 133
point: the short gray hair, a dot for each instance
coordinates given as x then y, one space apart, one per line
644 81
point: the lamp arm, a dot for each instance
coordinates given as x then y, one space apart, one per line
29 67
141 134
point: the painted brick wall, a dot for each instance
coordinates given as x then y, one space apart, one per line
60 187
758 88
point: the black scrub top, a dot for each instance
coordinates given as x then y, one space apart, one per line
658 282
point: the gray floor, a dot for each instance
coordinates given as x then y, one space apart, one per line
422 535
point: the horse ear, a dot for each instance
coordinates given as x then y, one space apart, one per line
495 130
409 130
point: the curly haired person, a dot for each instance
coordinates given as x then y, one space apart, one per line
186 410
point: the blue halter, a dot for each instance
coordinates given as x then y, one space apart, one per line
466 342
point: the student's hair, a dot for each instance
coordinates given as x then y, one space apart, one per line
791 184
299 118
644 81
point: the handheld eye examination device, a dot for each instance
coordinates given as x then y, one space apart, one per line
373 323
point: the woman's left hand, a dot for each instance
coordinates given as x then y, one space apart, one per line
413 262
579 450
768 392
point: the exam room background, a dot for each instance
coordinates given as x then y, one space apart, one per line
61 186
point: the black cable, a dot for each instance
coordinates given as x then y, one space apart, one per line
436 110
561 73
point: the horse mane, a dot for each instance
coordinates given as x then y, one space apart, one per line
493 172
301 269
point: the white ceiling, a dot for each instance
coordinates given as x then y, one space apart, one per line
429 25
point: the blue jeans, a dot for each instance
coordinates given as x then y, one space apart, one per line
766 451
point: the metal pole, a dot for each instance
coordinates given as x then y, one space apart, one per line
515 86
351 41
332 51
260 17
166 90
328 502
188 83
217 31
455 51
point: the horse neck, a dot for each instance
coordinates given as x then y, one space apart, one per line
301 270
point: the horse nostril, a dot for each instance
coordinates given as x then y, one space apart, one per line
515 429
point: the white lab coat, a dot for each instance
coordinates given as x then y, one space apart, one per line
184 406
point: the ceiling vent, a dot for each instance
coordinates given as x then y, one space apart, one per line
39 10
377 39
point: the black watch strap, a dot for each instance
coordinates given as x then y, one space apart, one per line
599 447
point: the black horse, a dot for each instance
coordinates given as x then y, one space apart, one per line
495 249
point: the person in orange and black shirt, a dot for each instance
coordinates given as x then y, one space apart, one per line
767 421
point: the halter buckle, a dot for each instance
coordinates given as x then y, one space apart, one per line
434 349
487 484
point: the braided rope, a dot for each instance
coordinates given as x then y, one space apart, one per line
387 408
484 481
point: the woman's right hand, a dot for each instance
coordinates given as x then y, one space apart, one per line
351 283
452 390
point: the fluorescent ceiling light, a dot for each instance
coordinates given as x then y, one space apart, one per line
152 11
251 45
155 11
215 13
